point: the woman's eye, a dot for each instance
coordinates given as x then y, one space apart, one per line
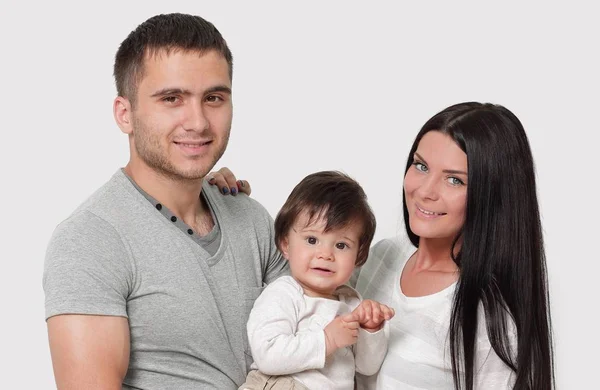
455 181
420 166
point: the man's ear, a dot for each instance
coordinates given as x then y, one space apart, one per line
123 114
284 245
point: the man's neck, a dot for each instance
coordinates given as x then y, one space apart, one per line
181 196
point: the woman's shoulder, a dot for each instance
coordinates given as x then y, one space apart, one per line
391 249
385 258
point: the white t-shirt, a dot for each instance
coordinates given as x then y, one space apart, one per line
285 331
419 347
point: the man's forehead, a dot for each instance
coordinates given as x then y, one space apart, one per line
166 51
180 69
159 56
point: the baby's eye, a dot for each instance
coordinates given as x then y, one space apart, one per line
311 240
341 245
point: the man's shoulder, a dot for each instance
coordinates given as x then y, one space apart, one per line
112 194
238 205
98 211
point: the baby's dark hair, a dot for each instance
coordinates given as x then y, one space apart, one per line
335 197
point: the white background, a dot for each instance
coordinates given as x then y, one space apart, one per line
317 85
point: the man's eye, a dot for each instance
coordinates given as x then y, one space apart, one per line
170 99
213 98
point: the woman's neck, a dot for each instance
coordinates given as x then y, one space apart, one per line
435 255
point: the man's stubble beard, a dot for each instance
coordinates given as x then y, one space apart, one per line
148 148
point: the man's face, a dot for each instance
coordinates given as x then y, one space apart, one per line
182 117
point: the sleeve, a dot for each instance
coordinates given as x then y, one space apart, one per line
490 372
276 265
362 278
370 350
86 269
278 348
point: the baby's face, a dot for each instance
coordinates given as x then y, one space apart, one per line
321 261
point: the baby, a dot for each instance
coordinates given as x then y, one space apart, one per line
309 330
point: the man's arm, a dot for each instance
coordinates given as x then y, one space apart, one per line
87 278
89 351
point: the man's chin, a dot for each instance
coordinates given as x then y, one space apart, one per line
181 174
191 175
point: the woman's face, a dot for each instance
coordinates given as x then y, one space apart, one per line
435 188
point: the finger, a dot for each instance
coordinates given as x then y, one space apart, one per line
368 309
377 316
211 178
230 181
356 315
218 179
354 333
244 186
388 312
351 317
352 325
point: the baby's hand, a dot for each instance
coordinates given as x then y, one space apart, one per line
370 315
341 332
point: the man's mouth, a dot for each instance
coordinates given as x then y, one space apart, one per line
192 144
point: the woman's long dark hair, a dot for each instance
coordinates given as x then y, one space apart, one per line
501 258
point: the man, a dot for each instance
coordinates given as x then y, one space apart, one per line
150 281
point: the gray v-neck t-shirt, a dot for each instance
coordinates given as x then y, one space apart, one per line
209 242
119 255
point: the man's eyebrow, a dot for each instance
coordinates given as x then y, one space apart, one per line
450 171
171 91
219 88
187 92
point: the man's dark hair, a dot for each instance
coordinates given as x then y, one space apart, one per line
165 32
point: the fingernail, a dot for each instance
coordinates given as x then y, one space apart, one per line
233 190
242 183
225 190
211 179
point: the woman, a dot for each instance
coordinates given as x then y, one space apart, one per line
470 289
475 274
